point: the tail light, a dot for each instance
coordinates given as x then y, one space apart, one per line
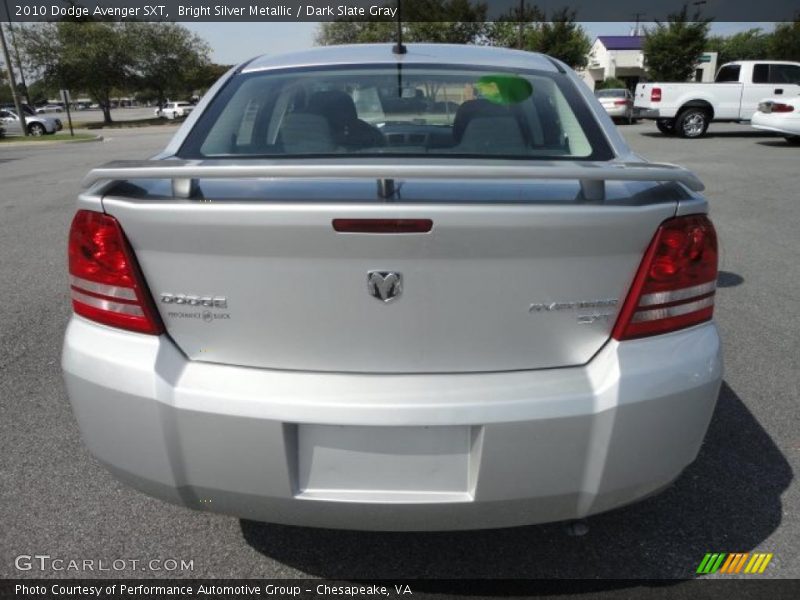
105 280
621 102
674 287
655 94
382 225
779 107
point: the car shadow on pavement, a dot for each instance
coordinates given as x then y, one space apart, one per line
777 143
728 500
744 133
726 279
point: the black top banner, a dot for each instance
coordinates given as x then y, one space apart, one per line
387 10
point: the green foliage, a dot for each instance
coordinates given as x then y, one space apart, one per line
560 37
104 58
610 83
672 49
91 56
432 21
336 33
167 59
746 45
460 22
446 21
40 91
564 39
784 43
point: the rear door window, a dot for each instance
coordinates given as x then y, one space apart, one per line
761 73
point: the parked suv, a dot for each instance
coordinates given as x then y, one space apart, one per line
314 308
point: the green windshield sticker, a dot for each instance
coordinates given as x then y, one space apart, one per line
504 89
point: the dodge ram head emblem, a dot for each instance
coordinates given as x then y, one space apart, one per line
384 285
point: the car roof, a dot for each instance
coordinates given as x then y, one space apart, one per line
360 54
763 60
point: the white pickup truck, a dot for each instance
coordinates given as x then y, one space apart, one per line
686 109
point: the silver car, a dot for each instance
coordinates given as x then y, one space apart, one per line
422 291
618 103
37 125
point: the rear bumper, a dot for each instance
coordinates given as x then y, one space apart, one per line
649 113
618 111
777 123
542 445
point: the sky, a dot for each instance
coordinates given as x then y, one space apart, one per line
233 43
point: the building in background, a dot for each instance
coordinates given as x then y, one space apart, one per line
621 57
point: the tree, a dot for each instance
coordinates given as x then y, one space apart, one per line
336 33
166 57
560 37
672 49
515 24
204 76
446 21
92 56
432 21
564 39
784 43
745 45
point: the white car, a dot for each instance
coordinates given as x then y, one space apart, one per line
174 110
48 108
781 116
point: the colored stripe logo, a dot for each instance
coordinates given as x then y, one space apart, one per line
735 562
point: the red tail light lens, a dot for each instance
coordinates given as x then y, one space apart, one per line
779 107
105 280
620 102
674 287
382 225
655 94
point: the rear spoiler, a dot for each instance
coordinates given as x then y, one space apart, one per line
592 175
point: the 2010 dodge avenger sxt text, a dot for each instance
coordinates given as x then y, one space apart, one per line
373 290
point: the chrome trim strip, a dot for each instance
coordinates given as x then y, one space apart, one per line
676 295
123 293
672 311
117 307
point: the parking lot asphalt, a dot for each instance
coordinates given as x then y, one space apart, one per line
740 495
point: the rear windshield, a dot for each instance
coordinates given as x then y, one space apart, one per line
387 110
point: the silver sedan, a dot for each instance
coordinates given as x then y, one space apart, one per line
396 291
37 125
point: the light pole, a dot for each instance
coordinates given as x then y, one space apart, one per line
520 26
12 82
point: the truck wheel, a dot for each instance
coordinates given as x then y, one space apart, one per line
692 123
666 126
